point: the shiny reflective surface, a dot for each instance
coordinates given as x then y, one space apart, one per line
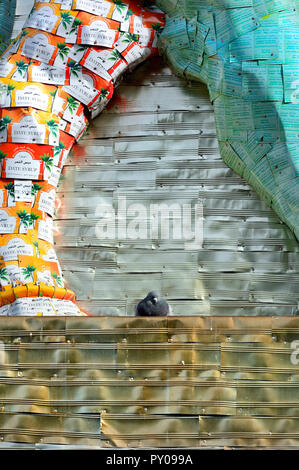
136 382
157 143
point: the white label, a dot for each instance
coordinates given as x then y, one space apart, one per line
94 63
14 273
3 95
71 38
121 67
82 88
133 55
96 7
28 131
77 126
138 25
98 108
32 96
69 112
43 18
3 135
48 74
58 105
22 166
45 230
98 33
77 52
14 248
47 201
46 277
7 224
145 37
66 4
106 38
62 124
55 175
66 307
120 12
50 256
5 68
65 154
125 25
146 52
23 191
105 58
4 311
38 48
123 42
32 306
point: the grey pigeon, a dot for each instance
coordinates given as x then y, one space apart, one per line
152 306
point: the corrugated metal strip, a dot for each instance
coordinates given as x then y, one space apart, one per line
177 381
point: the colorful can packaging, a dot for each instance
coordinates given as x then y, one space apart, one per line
48 74
86 86
45 198
13 245
26 161
24 94
28 125
68 27
103 8
44 47
97 30
15 66
45 17
107 63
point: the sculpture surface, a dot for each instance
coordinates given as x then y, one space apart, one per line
57 74
243 49
246 51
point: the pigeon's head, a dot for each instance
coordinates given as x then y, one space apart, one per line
153 296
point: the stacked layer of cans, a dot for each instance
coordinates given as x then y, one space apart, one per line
57 74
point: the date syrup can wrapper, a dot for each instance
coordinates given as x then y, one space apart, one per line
35 95
44 16
103 8
44 47
15 245
24 161
28 125
86 86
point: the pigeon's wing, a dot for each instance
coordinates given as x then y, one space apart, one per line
142 309
161 308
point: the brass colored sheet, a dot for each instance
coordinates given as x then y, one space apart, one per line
176 381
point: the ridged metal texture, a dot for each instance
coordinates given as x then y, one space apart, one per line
120 382
157 144
188 381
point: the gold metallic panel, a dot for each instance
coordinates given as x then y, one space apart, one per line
147 378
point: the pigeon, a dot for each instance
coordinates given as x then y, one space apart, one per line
152 306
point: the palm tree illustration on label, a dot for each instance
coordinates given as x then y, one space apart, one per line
24 221
4 276
36 245
28 273
58 279
53 131
10 188
4 122
35 188
48 165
